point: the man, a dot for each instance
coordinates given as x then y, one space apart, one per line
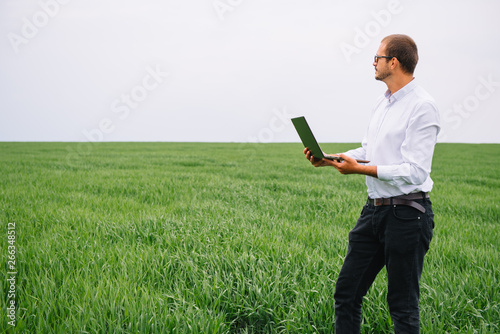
395 226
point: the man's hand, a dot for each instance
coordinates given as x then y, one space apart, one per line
347 166
351 166
315 161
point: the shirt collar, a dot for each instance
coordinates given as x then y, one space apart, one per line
400 93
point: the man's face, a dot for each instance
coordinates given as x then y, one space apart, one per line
382 68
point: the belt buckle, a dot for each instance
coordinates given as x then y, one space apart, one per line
378 201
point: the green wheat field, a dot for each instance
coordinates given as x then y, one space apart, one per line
224 238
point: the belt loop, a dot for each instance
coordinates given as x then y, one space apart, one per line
391 201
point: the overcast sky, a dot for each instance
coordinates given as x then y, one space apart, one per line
236 70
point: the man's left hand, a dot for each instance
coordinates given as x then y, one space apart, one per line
347 166
351 166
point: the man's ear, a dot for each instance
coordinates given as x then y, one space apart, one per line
394 63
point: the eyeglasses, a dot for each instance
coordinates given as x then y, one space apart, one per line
376 58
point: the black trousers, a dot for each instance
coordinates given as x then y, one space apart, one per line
397 237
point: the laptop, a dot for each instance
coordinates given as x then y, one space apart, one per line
310 142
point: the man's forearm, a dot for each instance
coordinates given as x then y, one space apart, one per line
367 170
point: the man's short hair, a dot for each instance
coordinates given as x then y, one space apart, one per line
402 47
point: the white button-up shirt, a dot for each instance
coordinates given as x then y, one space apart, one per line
400 141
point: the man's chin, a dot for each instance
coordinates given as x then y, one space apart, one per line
380 77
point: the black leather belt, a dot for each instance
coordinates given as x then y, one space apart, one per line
408 200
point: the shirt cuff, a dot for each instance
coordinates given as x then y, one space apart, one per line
386 173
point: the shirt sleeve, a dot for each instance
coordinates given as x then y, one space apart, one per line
417 148
358 153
